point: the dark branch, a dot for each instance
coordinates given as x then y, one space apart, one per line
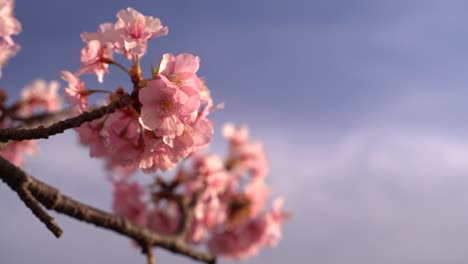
39 212
19 182
187 209
44 119
52 199
61 126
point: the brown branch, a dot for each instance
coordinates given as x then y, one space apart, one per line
59 127
19 182
52 199
187 209
44 119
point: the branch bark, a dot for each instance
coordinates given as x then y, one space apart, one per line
59 127
45 119
52 199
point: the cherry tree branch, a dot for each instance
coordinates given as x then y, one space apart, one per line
187 210
59 127
34 193
44 119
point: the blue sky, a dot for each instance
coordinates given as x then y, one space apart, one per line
361 105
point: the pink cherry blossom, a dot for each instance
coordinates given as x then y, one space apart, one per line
275 219
258 193
40 95
116 138
89 135
206 172
235 135
129 35
91 59
9 25
123 138
106 34
242 242
247 239
164 218
245 156
181 70
157 155
172 100
195 137
128 202
74 92
162 103
136 29
14 151
251 157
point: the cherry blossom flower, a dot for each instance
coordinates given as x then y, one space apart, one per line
242 242
247 239
89 135
170 102
106 34
40 95
9 25
181 70
245 156
235 135
91 59
164 218
128 202
74 92
129 35
162 103
14 151
136 29
123 140
275 218
157 155
258 193
207 171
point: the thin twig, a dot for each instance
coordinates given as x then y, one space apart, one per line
112 62
45 119
39 212
52 199
59 127
17 181
150 255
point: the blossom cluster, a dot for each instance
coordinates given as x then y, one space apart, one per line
168 121
229 214
37 98
9 26
129 36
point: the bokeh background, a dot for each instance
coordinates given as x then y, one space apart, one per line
361 105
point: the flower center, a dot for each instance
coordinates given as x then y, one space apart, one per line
166 105
137 28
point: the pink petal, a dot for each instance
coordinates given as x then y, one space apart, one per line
186 62
149 118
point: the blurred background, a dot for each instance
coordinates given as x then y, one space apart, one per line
361 106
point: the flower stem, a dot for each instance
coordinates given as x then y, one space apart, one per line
149 255
112 62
